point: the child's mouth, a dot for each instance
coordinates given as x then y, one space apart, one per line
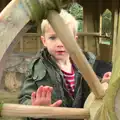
60 52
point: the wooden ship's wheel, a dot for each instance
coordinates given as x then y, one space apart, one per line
103 103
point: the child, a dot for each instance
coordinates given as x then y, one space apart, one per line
53 79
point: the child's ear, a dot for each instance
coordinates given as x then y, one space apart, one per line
42 39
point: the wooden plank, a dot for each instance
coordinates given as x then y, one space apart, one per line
38 43
32 35
10 49
30 43
9 97
90 18
100 28
12 19
96 34
81 34
80 42
21 45
85 29
117 42
93 34
98 40
17 48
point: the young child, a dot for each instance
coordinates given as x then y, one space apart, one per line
53 79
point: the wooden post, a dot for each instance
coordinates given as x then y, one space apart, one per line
111 99
93 34
21 45
110 108
12 19
100 28
115 27
38 37
38 43
85 29
75 53
100 15
90 24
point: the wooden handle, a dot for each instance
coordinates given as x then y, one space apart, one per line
76 54
44 112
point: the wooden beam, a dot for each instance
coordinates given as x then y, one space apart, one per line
111 99
44 112
21 44
31 35
38 43
100 27
115 13
93 34
85 14
12 19
75 53
88 34
90 21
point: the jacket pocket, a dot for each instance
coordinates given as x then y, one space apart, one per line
42 79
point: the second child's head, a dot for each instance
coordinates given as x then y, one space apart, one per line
50 39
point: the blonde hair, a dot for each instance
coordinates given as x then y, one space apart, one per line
67 17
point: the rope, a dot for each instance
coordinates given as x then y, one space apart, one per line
39 9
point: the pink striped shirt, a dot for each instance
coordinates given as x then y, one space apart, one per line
70 81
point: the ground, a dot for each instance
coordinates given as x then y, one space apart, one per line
9 97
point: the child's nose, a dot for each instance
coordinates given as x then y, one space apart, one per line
59 43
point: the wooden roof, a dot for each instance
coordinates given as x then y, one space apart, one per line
85 3
104 4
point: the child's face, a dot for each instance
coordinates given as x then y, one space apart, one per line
54 45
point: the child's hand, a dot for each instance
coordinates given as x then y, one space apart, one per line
106 77
43 97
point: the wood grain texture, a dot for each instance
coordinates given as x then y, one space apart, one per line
12 19
76 54
117 104
94 105
44 112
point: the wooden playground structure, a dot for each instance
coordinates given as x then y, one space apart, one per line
101 104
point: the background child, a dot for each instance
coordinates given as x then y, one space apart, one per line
106 77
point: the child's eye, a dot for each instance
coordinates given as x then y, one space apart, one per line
52 37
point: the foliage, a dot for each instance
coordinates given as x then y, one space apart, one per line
107 22
77 11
